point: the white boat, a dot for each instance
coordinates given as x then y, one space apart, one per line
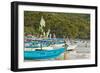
71 47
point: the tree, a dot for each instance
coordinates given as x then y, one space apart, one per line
73 25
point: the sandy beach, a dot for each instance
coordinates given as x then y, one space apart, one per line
82 51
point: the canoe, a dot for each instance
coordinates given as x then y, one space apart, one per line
43 54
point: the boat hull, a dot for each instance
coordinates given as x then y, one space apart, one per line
43 54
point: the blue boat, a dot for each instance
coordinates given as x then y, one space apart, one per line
43 54
44 43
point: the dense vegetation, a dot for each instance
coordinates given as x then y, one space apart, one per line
73 25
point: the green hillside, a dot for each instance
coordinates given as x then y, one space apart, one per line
73 25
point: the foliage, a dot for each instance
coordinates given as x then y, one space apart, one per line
73 25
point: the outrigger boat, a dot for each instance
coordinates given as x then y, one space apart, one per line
44 49
40 50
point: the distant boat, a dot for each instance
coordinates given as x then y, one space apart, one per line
43 54
71 47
